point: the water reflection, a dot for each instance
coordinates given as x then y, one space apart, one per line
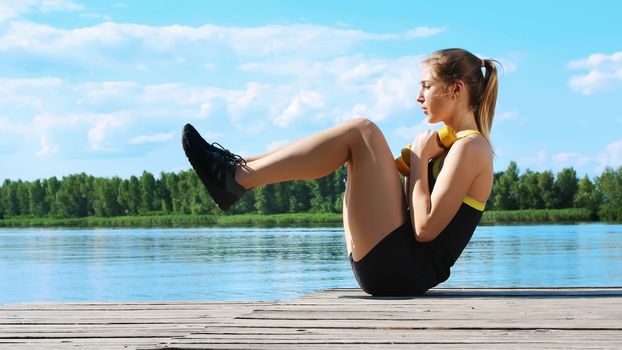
276 263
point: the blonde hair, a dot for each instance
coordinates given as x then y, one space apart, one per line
451 65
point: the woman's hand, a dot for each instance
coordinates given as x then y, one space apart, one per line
427 146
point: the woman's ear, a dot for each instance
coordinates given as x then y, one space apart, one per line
458 87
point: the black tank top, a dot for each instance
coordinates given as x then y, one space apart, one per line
444 250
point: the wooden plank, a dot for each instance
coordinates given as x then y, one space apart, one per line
385 346
414 337
131 306
517 291
436 324
477 293
336 319
423 335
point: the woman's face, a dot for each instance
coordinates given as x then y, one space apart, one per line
433 96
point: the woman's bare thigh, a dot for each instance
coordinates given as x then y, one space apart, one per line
374 200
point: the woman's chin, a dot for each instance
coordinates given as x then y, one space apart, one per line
430 119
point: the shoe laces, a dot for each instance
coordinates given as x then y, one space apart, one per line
230 158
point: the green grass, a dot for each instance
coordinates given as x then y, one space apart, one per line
295 219
537 216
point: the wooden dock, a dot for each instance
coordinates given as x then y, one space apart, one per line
336 318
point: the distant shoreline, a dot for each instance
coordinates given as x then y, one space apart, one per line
280 220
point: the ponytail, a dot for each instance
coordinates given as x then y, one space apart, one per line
485 108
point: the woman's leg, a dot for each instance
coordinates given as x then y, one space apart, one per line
263 155
373 203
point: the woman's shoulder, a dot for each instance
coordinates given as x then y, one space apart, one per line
473 150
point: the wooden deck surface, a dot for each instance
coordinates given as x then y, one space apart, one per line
337 318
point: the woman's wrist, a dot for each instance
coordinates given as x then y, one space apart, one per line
417 158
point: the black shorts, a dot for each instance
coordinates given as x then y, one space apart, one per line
397 266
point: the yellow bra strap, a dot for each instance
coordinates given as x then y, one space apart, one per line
474 203
466 133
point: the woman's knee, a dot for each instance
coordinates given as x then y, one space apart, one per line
362 130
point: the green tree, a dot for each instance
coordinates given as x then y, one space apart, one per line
341 177
163 197
10 205
566 186
85 183
587 196
546 184
72 196
129 196
281 197
490 203
609 184
51 187
264 199
506 189
300 197
106 194
1 203
324 193
23 203
246 204
188 192
36 199
148 193
201 202
528 191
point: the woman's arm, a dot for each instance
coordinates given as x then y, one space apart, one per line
431 212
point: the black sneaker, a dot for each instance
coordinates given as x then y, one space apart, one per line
215 166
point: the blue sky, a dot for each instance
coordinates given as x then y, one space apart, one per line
104 87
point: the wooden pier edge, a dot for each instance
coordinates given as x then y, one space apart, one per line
581 317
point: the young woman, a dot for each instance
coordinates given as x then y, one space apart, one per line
401 241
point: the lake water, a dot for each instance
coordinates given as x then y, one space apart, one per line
276 263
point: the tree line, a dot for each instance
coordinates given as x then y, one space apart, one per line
81 195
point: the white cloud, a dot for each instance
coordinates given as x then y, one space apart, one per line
56 5
509 62
99 16
161 137
335 91
246 41
604 73
508 65
96 92
611 157
422 32
304 100
396 90
573 159
537 162
408 134
362 70
359 110
41 128
103 115
48 129
104 124
299 68
565 156
27 92
506 116
597 61
13 8
299 76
